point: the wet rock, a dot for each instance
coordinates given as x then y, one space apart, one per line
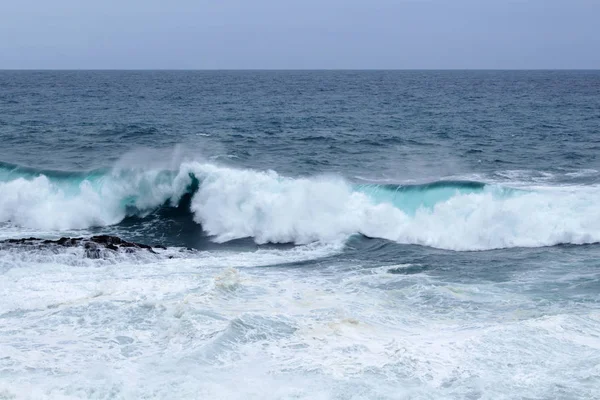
93 246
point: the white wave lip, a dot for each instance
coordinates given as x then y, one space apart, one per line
235 203
40 203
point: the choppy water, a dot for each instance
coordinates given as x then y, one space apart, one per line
345 235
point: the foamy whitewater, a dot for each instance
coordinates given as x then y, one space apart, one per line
239 203
317 235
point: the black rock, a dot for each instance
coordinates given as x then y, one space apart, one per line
92 246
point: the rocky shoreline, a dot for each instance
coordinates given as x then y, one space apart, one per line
93 246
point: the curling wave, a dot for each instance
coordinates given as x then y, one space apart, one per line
235 203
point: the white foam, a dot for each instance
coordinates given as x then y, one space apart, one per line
236 203
199 328
233 204
39 203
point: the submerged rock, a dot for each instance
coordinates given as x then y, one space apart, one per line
93 246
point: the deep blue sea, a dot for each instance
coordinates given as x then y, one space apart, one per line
329 234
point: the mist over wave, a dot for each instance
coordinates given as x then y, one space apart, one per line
234 203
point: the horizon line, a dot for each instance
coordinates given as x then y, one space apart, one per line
299 69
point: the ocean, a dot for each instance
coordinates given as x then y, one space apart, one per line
316 234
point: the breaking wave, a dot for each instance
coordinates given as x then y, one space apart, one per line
237 203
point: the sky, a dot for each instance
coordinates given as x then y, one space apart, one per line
300 34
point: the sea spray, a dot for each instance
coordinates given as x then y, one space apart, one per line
232 203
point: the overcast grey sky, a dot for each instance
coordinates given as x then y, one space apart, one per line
298 34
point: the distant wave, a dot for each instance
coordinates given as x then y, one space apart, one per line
237 203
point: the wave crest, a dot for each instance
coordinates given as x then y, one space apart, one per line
235 203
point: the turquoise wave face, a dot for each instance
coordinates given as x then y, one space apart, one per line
133 191
9 172
229 204
410 198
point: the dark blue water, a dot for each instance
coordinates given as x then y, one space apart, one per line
393 124
475 193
